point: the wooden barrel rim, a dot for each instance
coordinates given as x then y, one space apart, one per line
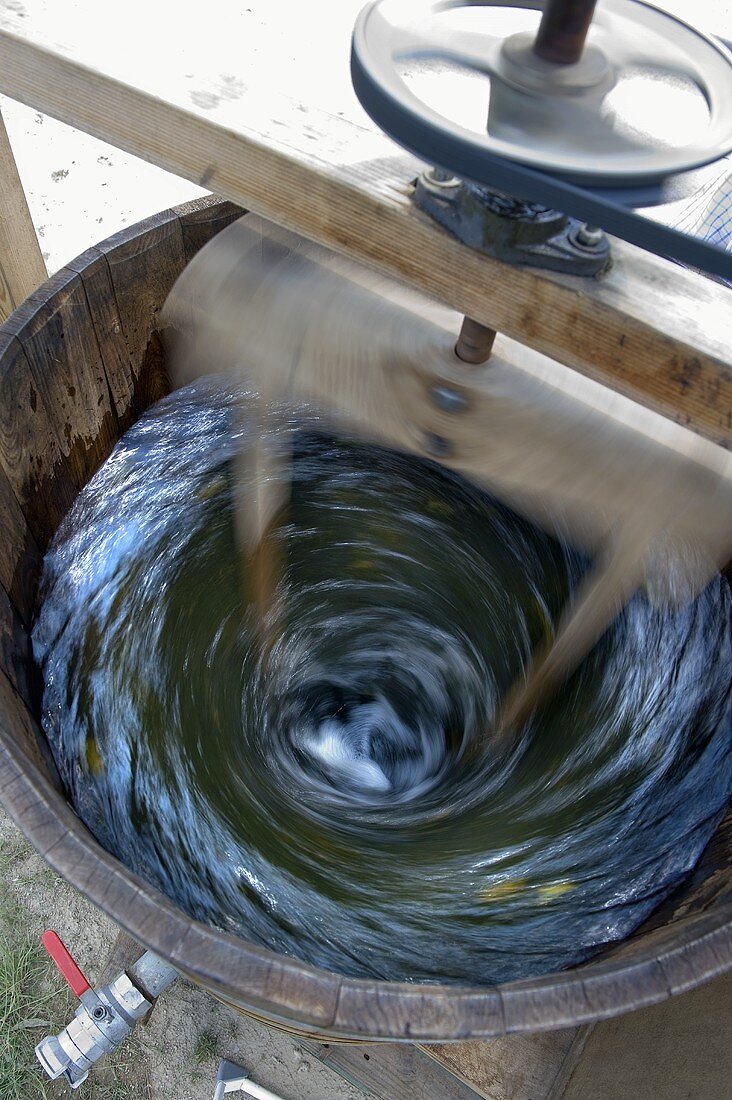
687 941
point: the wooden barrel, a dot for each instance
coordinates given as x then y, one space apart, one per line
79 361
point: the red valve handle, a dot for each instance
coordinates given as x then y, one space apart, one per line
66 964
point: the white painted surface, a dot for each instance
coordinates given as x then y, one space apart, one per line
81 190
246 59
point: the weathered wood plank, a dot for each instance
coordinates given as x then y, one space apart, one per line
22 267
132 356
57 336
676 1051
274 985
93 269
30 450
20 558
391 1071
571 1060
649 329
144 262
17 725
400 1010
15 655
201 219
514 1067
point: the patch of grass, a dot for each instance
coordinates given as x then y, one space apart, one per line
119 1069
6 855
205 1048
23 973
31 990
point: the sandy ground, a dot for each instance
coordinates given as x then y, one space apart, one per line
81 190
163 1063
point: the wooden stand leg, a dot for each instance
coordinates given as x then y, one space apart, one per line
123 953
22 268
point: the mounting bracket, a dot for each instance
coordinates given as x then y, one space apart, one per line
510 229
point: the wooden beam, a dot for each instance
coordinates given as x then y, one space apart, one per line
22 267
649 329
515 1067
392 1071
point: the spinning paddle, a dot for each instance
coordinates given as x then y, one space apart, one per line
305 331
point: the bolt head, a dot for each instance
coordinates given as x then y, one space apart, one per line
437 445
589 236
448 400
439 181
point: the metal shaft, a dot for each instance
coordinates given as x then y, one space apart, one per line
475 342
152 975
563 30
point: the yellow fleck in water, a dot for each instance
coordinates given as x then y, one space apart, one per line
439 507
211 488
364 565
93 759
555 890
499 891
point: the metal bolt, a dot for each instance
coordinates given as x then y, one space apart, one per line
589 236
440 180
437 445
99 1012
448 399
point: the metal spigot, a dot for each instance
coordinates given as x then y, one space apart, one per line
105 1017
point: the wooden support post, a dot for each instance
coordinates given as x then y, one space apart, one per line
123 953
22 268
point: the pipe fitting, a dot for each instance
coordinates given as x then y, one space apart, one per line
105 1016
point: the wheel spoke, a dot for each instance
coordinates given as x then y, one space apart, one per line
556 124
432 37
475 51
626 50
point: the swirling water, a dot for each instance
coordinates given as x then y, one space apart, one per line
340 799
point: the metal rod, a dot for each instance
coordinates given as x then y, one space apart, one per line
563 30
600 597
258 1092
152 975
475 342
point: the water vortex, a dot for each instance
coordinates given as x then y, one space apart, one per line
339 799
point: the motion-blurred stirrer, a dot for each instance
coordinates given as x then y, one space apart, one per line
305 329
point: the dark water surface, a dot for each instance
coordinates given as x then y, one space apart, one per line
340 801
